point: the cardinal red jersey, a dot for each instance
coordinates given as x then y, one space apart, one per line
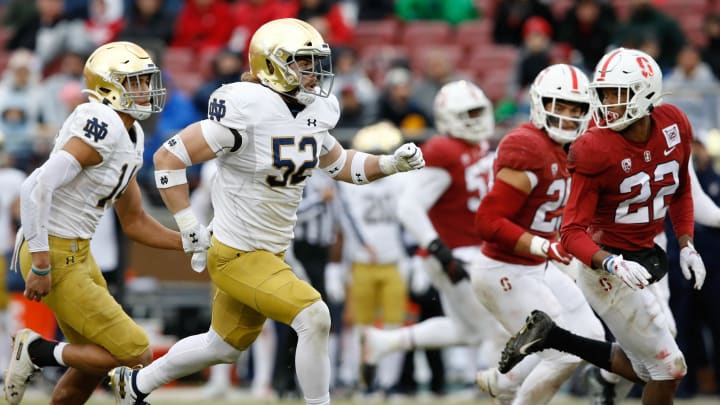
529 149
470 167
622 190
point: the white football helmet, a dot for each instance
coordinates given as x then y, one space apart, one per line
559 82
636 78
277 45
113 75
453 106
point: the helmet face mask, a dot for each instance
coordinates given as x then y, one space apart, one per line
626 86
290 57
566 90
462 111
123 76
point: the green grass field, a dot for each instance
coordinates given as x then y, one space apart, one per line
173 396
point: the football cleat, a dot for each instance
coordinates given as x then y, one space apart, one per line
487 381
123 389
528 340
600 391
21 368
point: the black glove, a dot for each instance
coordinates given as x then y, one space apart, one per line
454 268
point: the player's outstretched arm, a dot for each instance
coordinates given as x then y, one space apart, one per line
352 166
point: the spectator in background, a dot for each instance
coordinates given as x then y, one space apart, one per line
535 55
694 89
327 17
588 28
53 109
19 93
203 25
249 15
375 9
226 67
510 17
397 105
354 89
50 33
437 71
105 21
451 11
711 52
148 19
648 26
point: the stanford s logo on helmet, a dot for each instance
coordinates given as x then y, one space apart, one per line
279 44
635 78
113 76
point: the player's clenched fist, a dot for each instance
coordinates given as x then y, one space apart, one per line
405 158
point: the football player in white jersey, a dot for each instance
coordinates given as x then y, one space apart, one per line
268 132
91 167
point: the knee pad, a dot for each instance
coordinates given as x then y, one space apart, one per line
313 319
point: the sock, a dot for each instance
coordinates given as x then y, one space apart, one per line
57 353
140 395
596 352
42 354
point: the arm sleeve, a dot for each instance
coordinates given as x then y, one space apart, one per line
424 189
501 203
577 216
60 169
706 212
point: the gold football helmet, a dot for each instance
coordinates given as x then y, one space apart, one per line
114 76
383 137
279 44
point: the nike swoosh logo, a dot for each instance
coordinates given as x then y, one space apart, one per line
523 348
669 151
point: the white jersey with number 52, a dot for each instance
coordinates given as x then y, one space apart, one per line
265 153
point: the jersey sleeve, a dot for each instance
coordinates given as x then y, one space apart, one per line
96 125
586 156
436 152
520 152
681 208
225 129
578 215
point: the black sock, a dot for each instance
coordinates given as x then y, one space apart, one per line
41 353
597 352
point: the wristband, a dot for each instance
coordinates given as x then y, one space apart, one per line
169 178
185 219
605 264
40 272
539 246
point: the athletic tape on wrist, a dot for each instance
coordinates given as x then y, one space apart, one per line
169 178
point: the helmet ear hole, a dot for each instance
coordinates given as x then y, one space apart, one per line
270 67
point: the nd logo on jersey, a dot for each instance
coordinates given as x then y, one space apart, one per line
216 109
95 130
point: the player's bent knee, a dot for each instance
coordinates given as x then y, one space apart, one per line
313 319
142 360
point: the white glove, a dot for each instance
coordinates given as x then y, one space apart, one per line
195 236
691 263
335 282
633 274
405 158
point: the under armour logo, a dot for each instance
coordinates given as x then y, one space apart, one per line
172 142
312 122
333 170
163 180
359 179
216 109
95 130
193 238
70 259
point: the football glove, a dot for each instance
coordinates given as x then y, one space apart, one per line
405 158
633 274
691 264
195 236
454 268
